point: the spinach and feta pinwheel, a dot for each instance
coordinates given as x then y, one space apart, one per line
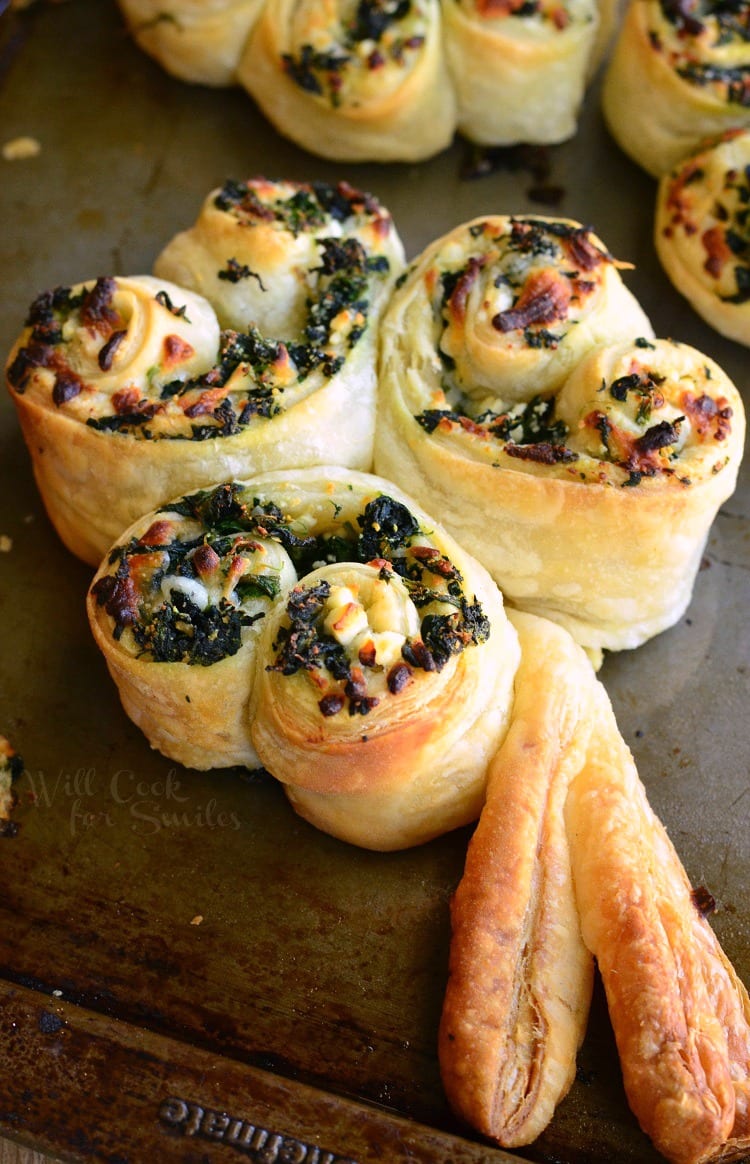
679 73
519 68
353 80
319 622
702 232
130 394
525 402
97 378
195 40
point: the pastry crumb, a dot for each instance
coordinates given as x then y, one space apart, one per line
6 544
19 148
197 919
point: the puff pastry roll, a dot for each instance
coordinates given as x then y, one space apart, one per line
701 232
584 480
520 979
320 622
679 73
353 82
679 1012
195 40
279 257
94 376
129 394
519 69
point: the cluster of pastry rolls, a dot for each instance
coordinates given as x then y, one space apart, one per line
568 865
524 398
679 73
319 623
252 344
702 231
389 80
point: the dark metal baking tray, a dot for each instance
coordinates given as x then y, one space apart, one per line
305 1002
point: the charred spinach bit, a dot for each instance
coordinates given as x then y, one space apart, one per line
448 281
620 387
742 278
446 635
373 17
737 79
342 255
299 646
227 424
308 358
541 338
180 632
304 69
301 211
534 238
533 424
386 525
342 201
163 298
212 507
431 417
642 342
223 511
345 290
258 586
659 436
235 272
125 420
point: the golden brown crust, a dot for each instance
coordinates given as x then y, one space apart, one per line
677 75
699 228
520 977
496 55
679 1012
195 40
381 96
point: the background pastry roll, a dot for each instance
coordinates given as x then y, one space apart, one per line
320 622
195 40
519 70
129 395
353 83
585 480
678 74
702 232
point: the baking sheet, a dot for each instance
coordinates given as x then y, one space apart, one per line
313 962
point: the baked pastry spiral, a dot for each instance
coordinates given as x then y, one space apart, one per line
702 232
519 69
582 471
519 987
679 73
128 393
353 82
317 621
195 40
95 363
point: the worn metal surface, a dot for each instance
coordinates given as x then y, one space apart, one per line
315 966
